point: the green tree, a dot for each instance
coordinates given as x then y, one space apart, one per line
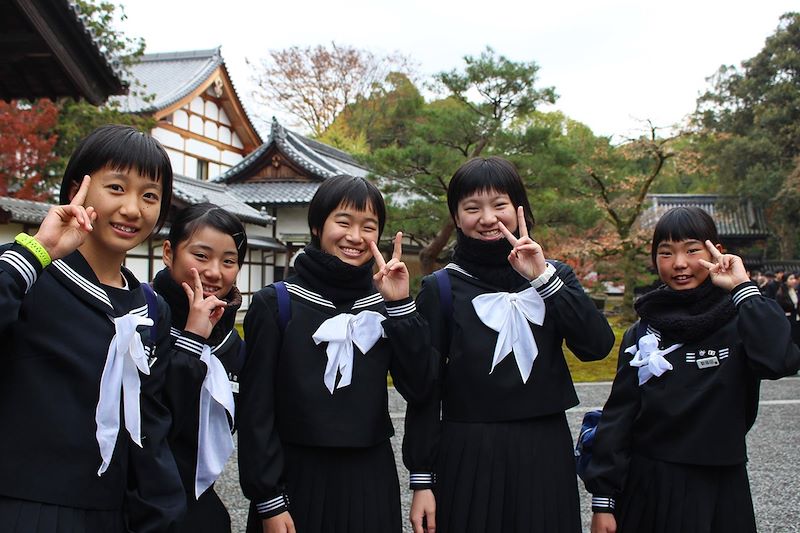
752 114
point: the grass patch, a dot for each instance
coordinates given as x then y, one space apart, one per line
603 370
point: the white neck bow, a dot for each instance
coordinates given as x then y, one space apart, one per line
341 332
509 315
120 381
214 440
649 359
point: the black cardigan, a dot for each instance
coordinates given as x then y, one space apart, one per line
692 415
467 392
283 395
55 329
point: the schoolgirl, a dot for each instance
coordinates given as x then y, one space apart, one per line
82 343
314 425
206 247
669 451
788 298
499 457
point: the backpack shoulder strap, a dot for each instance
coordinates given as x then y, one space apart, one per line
284 304
445 297
152 306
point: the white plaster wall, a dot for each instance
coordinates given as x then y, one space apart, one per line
197 105
236 141
212 111
176 159
231 158
190 166
180 119
169 139
224 135
223 117
291 220
202 149
196 124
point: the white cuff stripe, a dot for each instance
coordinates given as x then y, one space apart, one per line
421 478
550 289
745 293
21 265
270 505
598 501
189 344
405 309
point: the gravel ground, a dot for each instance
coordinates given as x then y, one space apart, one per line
772 443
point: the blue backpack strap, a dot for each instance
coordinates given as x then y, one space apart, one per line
152 307
284 304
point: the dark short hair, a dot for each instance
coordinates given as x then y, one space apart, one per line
350 191
484 174
192 218
681 224
122 148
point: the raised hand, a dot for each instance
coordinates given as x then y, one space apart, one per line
527 256
204 313
392 279
727 271
65 227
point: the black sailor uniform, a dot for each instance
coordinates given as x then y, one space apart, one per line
500 457
670 455
326 457
55 331
182 396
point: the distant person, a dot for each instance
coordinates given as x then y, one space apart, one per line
669 451
787 298
770 287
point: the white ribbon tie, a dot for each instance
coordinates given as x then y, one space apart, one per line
120 382
510 315
341 332
214 441
649 359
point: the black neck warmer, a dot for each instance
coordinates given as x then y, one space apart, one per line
686 316
331 277
179 306
488 261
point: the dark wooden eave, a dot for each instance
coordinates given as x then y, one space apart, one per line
47 51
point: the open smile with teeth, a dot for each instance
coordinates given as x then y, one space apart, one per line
125 229
491 234
682 277
351 252
208 289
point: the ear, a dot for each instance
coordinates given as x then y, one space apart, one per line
719 247
457 222
167 254
315 232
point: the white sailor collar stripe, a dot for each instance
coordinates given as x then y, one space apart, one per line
313 297
83 283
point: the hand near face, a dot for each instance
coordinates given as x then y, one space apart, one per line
204 313
527 257
727 271
392 279
65 227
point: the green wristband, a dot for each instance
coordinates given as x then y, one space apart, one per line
34 247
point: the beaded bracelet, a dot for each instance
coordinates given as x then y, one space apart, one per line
35 248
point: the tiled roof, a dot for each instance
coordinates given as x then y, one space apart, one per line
734 218
321 160
24 211
274 192
170 77
51 51
192 191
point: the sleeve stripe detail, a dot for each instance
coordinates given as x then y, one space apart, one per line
189 344
551 288
603 502
401 310
744 293
22 266
422 478
275 503
545 277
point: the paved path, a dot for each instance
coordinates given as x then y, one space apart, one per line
773 445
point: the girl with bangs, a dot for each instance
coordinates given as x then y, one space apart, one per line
669 453
314 425
491 449
83 427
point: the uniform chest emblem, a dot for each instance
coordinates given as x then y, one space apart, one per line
707 358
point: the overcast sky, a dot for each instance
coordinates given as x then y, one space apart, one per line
614 63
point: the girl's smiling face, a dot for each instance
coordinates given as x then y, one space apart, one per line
347 233
478 214
678 263
210 251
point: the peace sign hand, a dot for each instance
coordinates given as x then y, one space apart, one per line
727 271
527 257
392 279
204 313
65 227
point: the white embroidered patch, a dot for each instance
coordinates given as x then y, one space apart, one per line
235 386
708 362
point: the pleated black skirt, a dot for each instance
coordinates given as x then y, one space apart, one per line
507 476
662 497
22 516
341 490
206 514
